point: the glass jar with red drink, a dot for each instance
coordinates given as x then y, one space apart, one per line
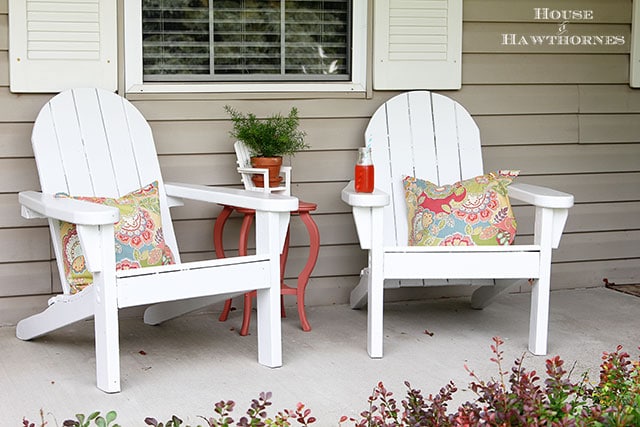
364 171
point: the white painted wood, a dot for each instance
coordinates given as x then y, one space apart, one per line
92 142
268 298
134 78
161 312
461 265
243 158
485 295
62 311
429 136
74 41
417 45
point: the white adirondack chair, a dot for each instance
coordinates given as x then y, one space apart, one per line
89 142
430 136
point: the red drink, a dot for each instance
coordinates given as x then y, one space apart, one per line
364 178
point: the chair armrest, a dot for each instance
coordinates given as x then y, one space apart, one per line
233 197
263 171
285 171
377 199
260 171
81 212
550 226
541 196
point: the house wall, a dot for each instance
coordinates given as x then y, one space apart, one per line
564 115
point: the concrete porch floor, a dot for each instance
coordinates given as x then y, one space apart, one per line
186 365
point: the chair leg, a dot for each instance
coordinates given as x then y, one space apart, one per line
539 316
375 313
268 323
484 295
106 331
246 318
65 310
358 297
375 284
163 311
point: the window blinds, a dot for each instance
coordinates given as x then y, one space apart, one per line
246 40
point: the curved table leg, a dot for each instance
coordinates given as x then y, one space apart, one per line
242 251
303 278
218 229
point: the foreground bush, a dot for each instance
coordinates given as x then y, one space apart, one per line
516 398
519 399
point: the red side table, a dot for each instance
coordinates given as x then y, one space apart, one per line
304 212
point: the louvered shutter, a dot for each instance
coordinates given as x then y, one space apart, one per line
59 44
417 44
634 72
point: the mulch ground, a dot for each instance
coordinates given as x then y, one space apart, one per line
627 289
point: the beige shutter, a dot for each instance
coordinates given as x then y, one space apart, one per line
59 44
417 44
634 72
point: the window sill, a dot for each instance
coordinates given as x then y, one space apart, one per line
246 90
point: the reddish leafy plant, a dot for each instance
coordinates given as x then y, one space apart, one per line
519 398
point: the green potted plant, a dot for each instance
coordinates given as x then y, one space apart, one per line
268 139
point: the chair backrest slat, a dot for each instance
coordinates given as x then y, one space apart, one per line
425 135
243 159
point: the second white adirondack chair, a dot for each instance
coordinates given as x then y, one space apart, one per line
432 137
89 142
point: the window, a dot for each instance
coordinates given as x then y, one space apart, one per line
245 45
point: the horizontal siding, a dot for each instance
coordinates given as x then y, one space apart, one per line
185 137
15 140
609 128
604 11
538 68
564 115
609 99
540 38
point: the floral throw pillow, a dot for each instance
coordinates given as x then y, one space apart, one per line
138 236
472 212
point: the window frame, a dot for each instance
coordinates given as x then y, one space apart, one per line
133 74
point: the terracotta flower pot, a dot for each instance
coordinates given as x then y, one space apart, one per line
271 163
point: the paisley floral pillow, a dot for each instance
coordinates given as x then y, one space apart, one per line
472 212
138 236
